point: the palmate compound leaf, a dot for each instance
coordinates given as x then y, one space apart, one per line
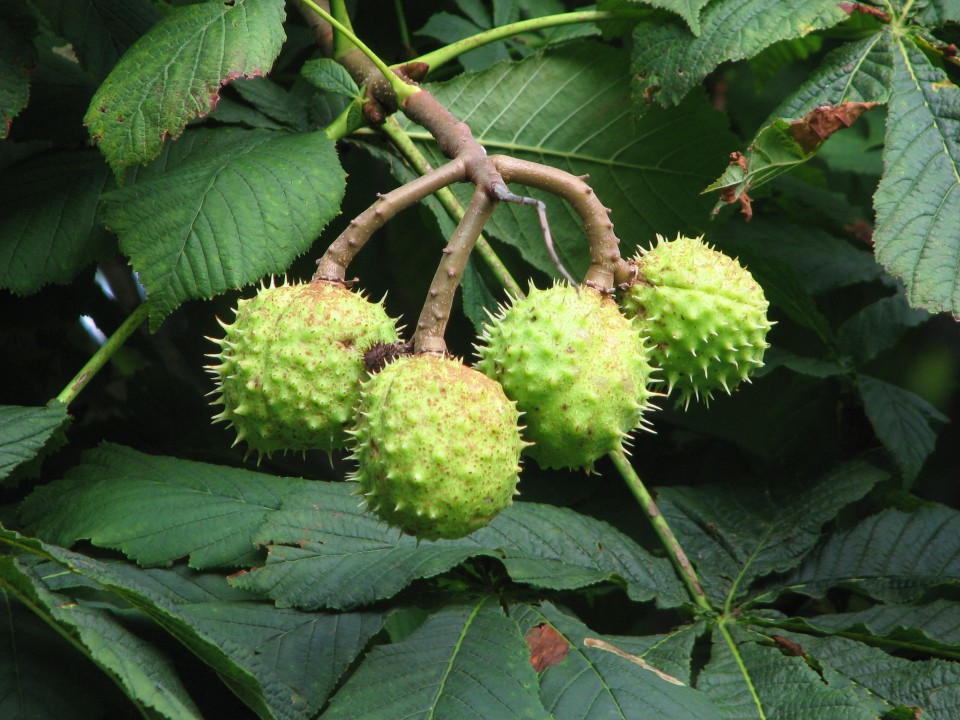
466 661
734 537
174 74
245 206
282 663
917 235
142 672
50 229
156 509
669 61
25 430
893 556
325 552
569 108
618 677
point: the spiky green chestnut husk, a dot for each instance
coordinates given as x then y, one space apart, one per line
705 314
577 369
438 447
290 366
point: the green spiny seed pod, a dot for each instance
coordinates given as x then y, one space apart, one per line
438 447
705 315
290 366
577 368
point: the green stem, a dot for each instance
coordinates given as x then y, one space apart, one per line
450 52
399 87
412 155
103 355
677 556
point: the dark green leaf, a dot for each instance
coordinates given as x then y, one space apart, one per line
273 101
762 682
17 60
735 535
156 509
99 31
330 76
892 556
934 13
145 675
175 71
594 682
465 661
878 327
50 230
902 420
858 71
918 201
932 627
569 108
689 10
669 61
244 207
31 655
814 367
323 551
25 430
933 686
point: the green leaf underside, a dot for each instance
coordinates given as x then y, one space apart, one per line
902 420
175 71
156 509
24 431
569 108
917 235
324 552
892 556
669 61
242 208
282 663
761 682
931 627
467 661
144 674
592 683
735 537
50 229
99 31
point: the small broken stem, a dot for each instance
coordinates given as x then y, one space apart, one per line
100 358
607 268
503 193
333 265
677 556
436 309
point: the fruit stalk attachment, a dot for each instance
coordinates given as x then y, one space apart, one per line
428 337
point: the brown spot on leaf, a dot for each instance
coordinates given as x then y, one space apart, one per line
861 230
547 647
788 647
822 122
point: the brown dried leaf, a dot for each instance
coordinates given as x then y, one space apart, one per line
822 122
547 647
